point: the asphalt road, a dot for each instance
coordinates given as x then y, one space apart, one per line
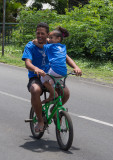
91 110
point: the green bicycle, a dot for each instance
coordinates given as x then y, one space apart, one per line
63 122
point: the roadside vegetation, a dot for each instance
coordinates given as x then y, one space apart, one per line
98 70
90 27
90 42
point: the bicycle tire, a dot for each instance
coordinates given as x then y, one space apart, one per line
66 129
32 125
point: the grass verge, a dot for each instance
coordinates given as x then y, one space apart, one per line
12 56
99 71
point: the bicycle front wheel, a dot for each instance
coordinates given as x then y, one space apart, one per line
33 123
65 134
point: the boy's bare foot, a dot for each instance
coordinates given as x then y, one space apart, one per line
48 100
51 98
39 127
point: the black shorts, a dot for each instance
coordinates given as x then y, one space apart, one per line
37 81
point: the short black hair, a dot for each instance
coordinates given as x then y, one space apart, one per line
43 25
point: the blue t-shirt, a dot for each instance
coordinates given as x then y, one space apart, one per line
56 53
37 56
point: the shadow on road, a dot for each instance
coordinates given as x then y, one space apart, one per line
44 145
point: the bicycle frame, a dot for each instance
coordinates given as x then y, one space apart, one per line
54 111
58 106
57 102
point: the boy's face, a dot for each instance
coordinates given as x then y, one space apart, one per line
41 35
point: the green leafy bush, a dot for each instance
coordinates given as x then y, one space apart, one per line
90 27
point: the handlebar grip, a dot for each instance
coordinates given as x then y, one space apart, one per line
73 73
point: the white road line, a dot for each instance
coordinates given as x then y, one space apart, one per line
13 96
73 114
92 119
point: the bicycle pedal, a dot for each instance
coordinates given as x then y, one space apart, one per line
28 120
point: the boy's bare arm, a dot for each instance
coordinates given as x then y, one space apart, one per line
35 41
33 68
72 64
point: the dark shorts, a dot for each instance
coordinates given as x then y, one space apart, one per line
37 81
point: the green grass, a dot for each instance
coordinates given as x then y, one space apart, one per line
12 56
100 71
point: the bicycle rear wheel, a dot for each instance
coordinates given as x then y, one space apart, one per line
33 124
65 134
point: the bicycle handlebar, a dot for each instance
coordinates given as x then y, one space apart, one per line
57 80
70 73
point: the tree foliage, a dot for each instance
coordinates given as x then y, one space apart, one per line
90 27
77 2
21 1
12 9
59 5
37 5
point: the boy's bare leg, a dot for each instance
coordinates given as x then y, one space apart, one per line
66 95
64 99
53 94
35 91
